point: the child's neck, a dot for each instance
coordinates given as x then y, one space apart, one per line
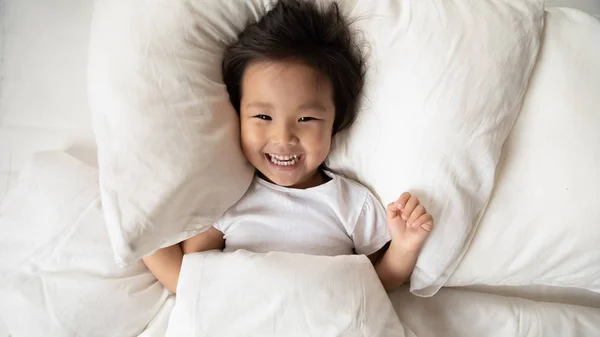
317 178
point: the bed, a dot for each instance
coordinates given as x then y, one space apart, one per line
44 106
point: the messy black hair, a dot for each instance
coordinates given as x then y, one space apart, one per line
300 30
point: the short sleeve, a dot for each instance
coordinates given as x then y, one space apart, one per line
220 224
370 232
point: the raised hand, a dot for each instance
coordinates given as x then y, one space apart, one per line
409 223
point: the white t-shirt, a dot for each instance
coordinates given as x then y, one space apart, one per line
331 219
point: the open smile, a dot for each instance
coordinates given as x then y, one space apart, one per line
284 161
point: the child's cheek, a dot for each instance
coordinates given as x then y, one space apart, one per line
323 144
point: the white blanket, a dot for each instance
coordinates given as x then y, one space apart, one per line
463 313
281 294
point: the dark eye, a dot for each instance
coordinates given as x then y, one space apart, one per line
306 119
263 117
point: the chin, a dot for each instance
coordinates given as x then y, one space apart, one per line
281 181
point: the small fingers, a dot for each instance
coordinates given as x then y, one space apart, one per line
410 206
425 221
401 203
419 210
392 210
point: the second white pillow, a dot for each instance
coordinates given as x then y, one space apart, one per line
445 84
542 225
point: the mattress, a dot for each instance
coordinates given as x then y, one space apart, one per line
43 106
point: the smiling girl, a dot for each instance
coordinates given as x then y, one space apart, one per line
295 78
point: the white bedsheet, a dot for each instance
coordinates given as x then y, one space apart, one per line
43 106
43 95
3 329
589 6
461 313
543 293
158 326
457 312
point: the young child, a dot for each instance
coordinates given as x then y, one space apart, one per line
294 78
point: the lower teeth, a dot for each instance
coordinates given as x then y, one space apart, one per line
284 163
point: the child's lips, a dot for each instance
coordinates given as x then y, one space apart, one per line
283 157
284 162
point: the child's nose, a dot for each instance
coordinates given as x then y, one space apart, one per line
285 135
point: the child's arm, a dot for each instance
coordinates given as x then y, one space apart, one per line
394 267
165 264
210 239
409 225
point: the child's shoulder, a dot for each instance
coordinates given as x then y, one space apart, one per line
349 184
356 198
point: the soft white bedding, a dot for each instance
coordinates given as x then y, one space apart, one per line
457 312
501 299
444 119
460 313
541 225
158 326
281 294
43 105
542 293
43 95
58 276
588 6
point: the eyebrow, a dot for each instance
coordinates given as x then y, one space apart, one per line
316 106
258 104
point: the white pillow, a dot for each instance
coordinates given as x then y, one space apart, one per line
168 138
58 276
542 225
281 294
445 84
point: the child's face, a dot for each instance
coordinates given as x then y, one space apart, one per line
286 114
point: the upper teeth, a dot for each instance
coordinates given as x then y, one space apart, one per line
284 160
284 157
